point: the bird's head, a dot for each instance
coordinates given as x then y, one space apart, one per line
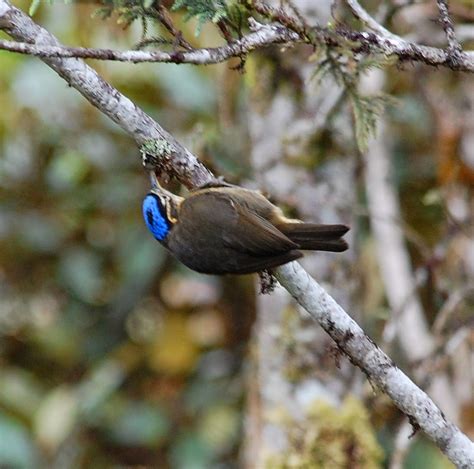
160 211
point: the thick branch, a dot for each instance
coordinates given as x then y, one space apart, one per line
361 350
378 367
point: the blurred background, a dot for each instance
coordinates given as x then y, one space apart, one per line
114 355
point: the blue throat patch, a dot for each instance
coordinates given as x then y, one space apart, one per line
155 217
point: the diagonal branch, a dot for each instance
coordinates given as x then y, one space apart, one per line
362 14
350 338
167 22
378 367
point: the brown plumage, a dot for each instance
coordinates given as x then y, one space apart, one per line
222 230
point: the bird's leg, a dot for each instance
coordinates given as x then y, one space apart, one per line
268 282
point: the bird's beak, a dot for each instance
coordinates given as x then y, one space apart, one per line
162 192
155 184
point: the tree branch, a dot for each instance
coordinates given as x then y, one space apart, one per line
454 48
287 30
361 14
350 338
265 35
390 43
378 367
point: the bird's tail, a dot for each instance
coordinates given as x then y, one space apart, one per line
310 236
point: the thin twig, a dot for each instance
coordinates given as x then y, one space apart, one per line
265 36
362 42
166 21
454 51
443 355
454 48
279 15
298 14
449 307
361 14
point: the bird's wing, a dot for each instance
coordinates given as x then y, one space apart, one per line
256 235
250 264
235 226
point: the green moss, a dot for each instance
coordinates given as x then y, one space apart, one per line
331 437
156 147
155 152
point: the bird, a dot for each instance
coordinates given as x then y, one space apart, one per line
223 229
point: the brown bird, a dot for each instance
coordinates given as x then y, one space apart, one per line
231 230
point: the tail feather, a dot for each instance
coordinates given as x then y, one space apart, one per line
336 245
311 236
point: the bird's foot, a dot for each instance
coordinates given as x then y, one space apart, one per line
267 282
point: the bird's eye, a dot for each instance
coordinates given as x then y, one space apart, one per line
154 215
